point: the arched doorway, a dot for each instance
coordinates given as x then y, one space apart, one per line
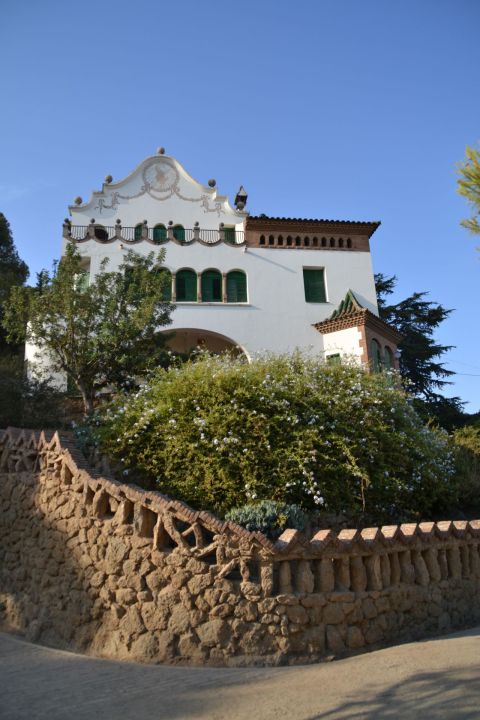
184 340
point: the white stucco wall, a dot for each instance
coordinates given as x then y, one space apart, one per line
345 342
276 317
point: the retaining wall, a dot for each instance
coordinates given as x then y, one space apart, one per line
91 564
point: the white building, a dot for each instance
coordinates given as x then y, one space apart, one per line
239 281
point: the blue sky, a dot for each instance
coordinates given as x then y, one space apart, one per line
342 109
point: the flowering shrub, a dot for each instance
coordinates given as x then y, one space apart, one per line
269 517
219 433
466 446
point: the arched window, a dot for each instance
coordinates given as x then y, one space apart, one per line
376 356
186 286
211 286
159 233
262 239
100 233
315 242
236 287
167 288
280 240
332 242
138 231
340 242
349 243
271 239
289 239
306 241
179 233
298 241
388 358
324 242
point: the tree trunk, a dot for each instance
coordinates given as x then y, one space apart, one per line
87 397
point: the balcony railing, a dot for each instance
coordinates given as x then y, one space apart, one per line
157 235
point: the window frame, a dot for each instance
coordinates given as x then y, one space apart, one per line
203 286
178 276
307 289
230 274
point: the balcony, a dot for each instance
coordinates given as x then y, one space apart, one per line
157 235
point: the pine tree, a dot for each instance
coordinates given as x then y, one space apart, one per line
13 272
417 318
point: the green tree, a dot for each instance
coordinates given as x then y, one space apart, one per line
417 318
100 334
13 272
469 186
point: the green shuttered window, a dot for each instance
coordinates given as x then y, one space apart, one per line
179 233
236 287
167 288
334 359
211 286
230 235
138 231
186 286
314 283
159 233
376 356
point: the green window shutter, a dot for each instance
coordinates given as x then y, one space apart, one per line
211 286
388 359
179 233
186 286
236 287
138 232
167 289
334 359
230 235
314 283
376 356
159 233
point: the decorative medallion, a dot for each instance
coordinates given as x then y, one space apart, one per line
160 177
160 181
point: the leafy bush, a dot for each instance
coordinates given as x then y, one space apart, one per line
219 433
466 443
269 517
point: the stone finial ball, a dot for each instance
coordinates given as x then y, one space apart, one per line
212 182
161 151
119 222
78 200
92 220
108 179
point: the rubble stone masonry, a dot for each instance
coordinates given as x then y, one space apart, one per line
94 565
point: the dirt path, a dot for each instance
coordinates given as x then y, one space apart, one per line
432 679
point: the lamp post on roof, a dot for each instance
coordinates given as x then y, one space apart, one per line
241 198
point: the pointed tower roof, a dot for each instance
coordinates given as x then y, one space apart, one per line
351 313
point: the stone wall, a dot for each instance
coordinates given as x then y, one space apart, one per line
91 564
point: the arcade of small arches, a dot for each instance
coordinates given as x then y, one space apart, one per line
307 241
209 286
382 358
